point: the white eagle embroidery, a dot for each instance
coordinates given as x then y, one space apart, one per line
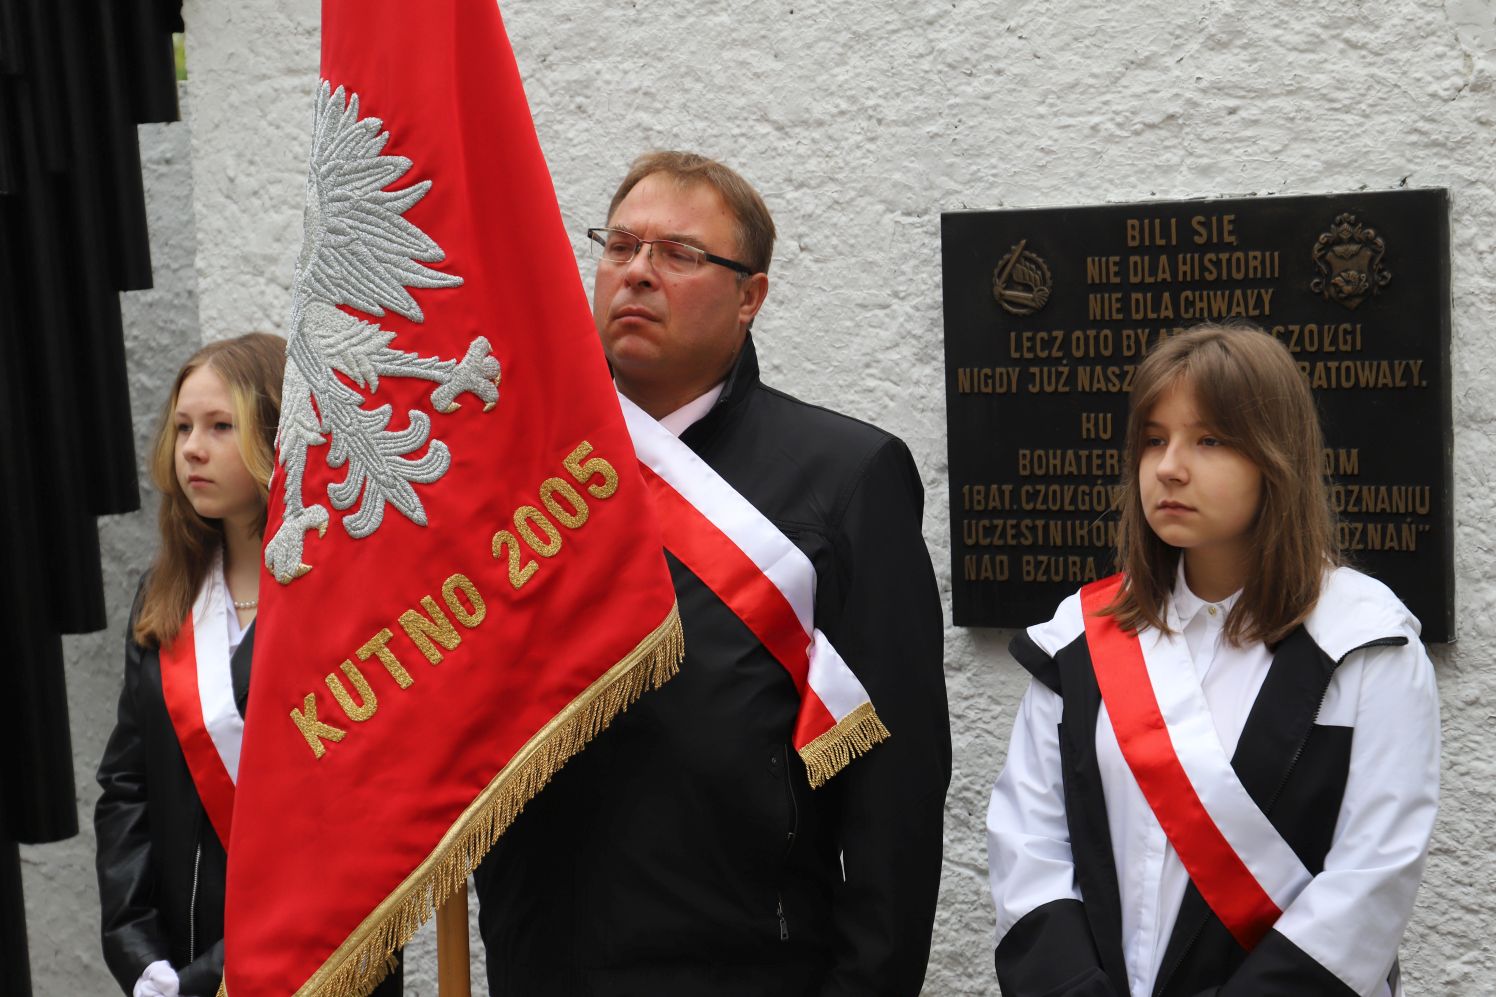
359 251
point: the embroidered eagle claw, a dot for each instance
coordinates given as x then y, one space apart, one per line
359 253
283 552
477 373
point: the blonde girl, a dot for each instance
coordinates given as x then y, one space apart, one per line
167 772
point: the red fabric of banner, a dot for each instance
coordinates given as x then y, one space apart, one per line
418 683
1223 879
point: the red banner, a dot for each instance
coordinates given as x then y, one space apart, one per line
464 576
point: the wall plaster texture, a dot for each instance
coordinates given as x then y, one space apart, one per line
861 122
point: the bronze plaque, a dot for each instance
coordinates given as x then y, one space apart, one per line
1048 312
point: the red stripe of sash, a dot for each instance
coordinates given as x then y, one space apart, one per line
1223 879
722 566
814 719
184 705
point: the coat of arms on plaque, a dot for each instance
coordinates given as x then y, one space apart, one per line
1349 258
1021 282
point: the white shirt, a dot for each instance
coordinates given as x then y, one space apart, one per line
693 411
236 631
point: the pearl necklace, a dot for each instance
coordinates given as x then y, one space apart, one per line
246 604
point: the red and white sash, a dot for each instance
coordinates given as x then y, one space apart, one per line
1239 862
767 581
198 685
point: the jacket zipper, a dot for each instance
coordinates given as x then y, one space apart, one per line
789 790
789 842
197 862
1159 988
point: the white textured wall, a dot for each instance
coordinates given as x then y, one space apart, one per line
252 63
861 122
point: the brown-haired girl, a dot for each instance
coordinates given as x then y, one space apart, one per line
1223 777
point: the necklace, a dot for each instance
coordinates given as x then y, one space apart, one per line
246 604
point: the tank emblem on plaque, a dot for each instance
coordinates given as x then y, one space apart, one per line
1021 282
1349 258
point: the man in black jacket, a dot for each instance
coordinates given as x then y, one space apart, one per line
684 852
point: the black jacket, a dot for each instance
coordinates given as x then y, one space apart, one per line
161 866
684 853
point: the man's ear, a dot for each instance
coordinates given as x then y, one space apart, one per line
752 291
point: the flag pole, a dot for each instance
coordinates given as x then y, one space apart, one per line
452 976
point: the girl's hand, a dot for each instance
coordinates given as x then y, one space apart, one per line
158 980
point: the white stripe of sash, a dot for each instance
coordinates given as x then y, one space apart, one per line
766 546
833 680
784 563
1186 713
215 679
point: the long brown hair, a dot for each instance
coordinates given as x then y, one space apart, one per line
1249 391
252 368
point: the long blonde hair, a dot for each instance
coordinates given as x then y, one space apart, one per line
1249 391
252 367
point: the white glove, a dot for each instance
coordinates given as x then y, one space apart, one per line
158 980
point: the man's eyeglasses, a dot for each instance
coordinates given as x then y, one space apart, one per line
617 246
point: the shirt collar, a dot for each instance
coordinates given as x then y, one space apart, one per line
1186 605
688 414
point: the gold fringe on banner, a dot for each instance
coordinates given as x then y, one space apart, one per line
853 736
366 957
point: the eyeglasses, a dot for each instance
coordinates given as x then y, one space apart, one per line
617 246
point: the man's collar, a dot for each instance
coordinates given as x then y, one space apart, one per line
736 387
688 414
743 375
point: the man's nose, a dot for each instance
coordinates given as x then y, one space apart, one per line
641 269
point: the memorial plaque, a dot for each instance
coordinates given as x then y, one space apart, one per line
1049 311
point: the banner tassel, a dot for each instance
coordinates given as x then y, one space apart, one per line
367 956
